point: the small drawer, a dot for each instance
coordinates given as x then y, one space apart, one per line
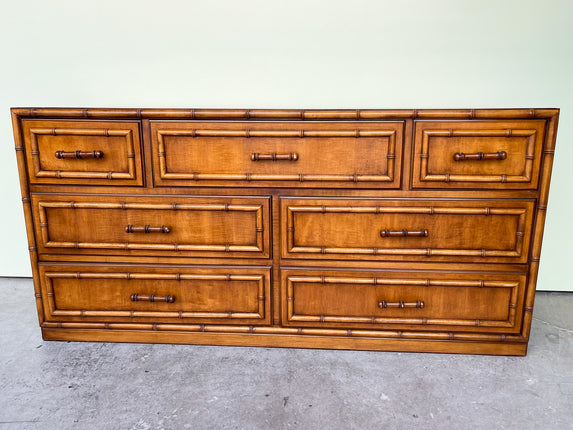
166 226
412 300
205 295
289 154
83 152
379 229
478 154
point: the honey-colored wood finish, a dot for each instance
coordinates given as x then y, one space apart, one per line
489 154
159 225
419 301
483 230
281 154
405 230
80 152
213 295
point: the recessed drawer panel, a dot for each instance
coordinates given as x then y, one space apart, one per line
168 226
378 229
378 300
83 152
349 154
478 154
206 295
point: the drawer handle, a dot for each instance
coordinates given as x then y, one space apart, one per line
146 229
403 233
152 298
499 155
419 304
78 154
255 156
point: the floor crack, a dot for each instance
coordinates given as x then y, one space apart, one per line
553 325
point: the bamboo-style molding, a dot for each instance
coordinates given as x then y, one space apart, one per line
285 114
53 311
162 155
541 209
447 177
301 331
77 174
375 319
301 133
27 206
48 243
486 211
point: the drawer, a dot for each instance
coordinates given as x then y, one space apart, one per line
412 300
290 154
83 152
156 294
478 154
166 226
380 229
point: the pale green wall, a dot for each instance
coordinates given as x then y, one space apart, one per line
299 54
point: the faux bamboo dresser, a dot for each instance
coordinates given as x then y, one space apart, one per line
404 230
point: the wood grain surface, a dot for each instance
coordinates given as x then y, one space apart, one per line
405 230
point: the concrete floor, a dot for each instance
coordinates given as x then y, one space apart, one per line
60 385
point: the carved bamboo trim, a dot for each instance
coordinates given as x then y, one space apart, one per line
257 209
289 331
528 164
50 300
487 211
300 177
27 207
302 133
76 174
374 319
541 212
285 114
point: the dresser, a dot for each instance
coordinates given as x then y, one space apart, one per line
389 230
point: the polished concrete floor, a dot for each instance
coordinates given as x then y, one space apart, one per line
61 385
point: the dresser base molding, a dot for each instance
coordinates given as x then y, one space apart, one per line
382 230
278 340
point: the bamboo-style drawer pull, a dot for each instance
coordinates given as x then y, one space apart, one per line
152 298
383 304
78 155
146 229
499 155
404 233
255 156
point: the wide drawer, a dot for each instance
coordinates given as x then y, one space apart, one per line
292 154
83 152
478 154
158 294
167 226
380 229
408 300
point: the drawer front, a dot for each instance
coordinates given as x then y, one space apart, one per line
379 300
478 154
167 226
206 295
378 229
354 155
83 152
